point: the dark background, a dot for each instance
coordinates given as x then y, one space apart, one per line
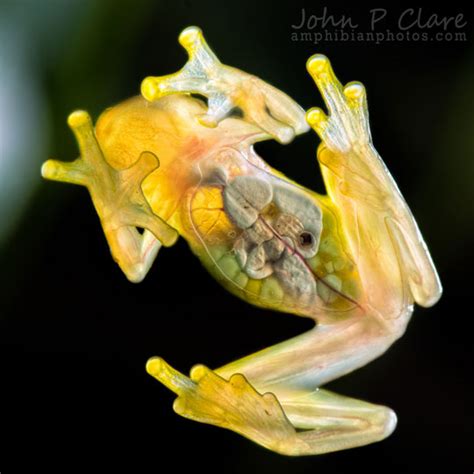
75 335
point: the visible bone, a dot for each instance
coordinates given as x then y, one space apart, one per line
245 197
295 277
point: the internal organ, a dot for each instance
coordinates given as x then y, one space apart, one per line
281 228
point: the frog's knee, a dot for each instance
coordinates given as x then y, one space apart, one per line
385 422
396 322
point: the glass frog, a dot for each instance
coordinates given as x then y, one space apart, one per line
179 161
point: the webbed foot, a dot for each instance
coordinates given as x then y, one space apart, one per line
233 404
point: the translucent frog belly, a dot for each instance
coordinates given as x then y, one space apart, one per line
269 241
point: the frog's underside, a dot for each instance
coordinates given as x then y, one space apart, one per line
353 260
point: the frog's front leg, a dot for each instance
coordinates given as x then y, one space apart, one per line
228 88
118 199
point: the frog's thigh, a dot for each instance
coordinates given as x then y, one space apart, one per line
332 422
314 358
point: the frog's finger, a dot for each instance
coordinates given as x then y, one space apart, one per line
91 164
168 376
81 125
66 172
200 54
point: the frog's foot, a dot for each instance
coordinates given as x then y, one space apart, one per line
228 88
347 126
325 421
234 404
117 197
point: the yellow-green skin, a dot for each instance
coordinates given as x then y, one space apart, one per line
151 163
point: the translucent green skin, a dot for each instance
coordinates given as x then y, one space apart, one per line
354 260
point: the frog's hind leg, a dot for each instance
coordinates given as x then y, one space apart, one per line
326 421
378 223
305 423
272 394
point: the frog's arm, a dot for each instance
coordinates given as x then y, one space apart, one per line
118 199
227 88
